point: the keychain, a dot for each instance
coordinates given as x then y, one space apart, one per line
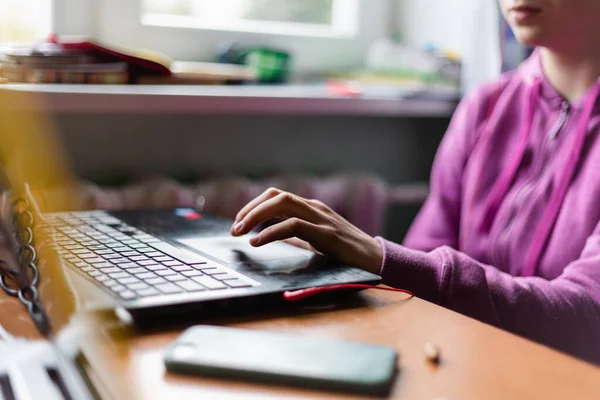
30 369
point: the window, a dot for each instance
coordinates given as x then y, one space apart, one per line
302 11
24 21
291 17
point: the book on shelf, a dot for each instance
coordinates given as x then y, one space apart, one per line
76 60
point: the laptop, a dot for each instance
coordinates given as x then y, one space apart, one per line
165 261
153 262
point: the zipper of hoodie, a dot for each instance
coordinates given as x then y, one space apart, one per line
565 108
529 187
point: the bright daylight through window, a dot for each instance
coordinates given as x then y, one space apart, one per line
24 21
242 14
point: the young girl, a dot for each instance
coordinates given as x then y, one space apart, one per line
510 233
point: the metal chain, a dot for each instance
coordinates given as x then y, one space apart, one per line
23 222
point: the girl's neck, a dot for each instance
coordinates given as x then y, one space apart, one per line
570 74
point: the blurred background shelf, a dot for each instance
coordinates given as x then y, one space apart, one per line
246 99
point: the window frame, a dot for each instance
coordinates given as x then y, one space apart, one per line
120 22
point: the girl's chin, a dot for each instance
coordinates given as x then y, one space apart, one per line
530 37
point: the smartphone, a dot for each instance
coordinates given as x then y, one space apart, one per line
283 358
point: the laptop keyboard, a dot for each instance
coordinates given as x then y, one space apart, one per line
132 264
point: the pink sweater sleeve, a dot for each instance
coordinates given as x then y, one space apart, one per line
563 313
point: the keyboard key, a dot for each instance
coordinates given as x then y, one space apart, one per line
180 268
128 281
95 273
127 265
138 270
71 258
81 250
109 242
154 253
136 245
175 278
148 292
138 286
105 251
129 253
163 258
169 288
191 273
81 264
146 275
144 250
118 288
94 260
102 278
184 256
119 260
190 286
119 275
147 262
142 236
155 281
155 267
139 258
88 269
111 270
165 272
111 256
149 240
121 248
110 283
74 247
209 282
171 263
104 264
214 271
127 295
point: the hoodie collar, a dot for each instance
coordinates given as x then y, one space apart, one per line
531 70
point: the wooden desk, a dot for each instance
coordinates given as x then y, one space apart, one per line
478 361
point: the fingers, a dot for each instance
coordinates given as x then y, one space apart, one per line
266 195
293 227
285 204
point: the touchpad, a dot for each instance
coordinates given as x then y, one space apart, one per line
234 250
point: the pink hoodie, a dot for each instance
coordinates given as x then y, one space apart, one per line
510 233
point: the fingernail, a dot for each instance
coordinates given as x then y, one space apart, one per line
238 227
255 240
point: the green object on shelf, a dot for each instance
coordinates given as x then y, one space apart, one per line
271 66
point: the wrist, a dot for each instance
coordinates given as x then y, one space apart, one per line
374 258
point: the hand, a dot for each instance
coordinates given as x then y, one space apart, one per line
315 226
